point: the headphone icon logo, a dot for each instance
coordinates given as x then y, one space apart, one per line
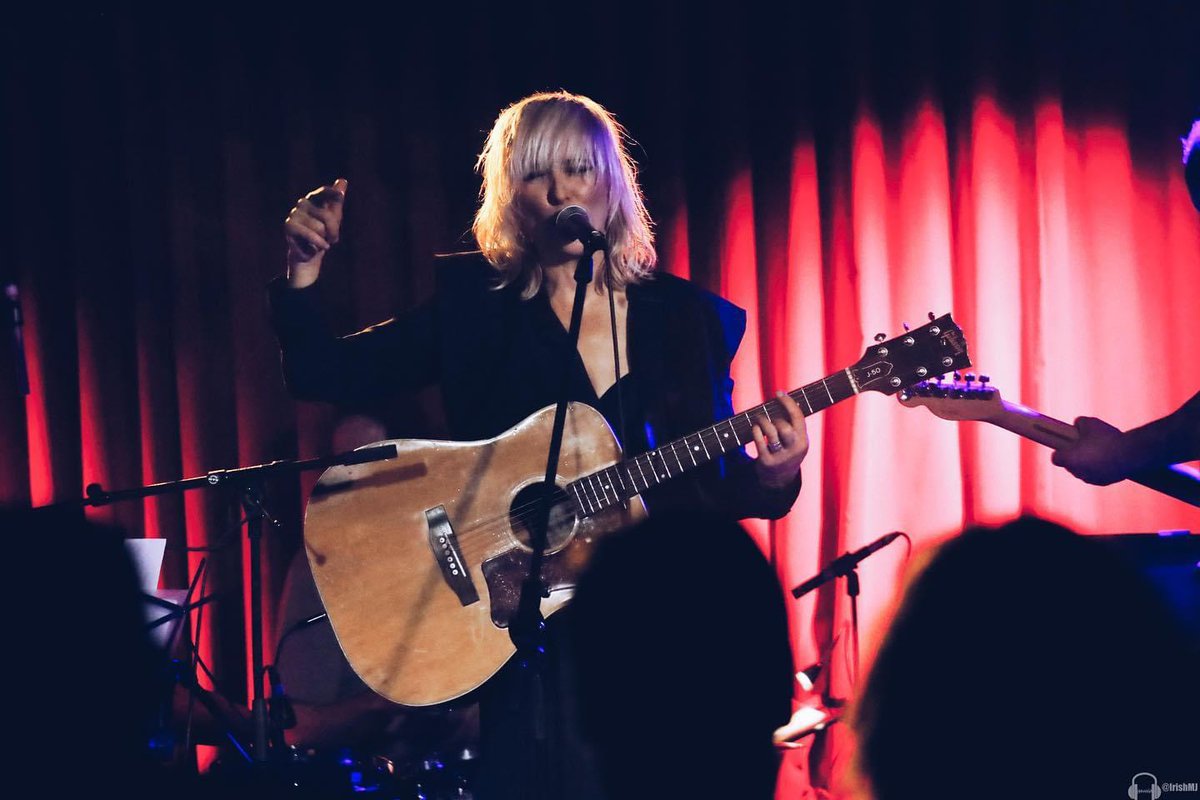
1153 790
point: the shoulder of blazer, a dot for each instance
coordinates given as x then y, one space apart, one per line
467 271
723 320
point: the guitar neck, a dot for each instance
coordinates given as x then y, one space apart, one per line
1178 481
616 484
1032 425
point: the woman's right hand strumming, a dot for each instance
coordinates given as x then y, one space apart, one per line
311 228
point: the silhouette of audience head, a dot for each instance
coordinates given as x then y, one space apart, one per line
1026 658
682 659
1191 161
91 681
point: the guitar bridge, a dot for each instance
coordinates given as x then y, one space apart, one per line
446 551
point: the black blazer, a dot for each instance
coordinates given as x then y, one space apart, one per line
498 359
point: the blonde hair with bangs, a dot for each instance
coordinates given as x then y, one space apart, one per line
529 136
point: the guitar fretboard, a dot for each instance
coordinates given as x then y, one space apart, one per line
616 484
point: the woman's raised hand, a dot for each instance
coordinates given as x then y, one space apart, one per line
311 228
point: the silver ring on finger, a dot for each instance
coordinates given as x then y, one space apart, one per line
774 447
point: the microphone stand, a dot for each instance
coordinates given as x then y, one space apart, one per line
846 566
528 626
249 482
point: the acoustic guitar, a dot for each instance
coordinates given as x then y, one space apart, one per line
419 559
979 401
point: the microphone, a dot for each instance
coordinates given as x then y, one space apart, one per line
13 296
573 222
844 564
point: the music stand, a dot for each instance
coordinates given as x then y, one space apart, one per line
249 482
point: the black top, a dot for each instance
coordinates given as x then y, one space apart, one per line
499 358
625 396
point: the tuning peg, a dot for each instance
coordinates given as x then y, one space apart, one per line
970 378
879 337
931 316
958 377
905 324
984 379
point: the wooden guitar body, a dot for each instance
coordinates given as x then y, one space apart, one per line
419 559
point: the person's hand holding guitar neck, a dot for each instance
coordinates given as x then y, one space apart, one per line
1103 454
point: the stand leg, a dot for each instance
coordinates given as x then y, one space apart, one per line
256 521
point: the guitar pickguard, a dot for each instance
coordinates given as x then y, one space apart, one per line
505 572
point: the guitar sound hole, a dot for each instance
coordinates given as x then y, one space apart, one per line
522 512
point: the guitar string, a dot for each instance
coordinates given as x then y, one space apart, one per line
481 537
491 530
488 531
494 529
523 512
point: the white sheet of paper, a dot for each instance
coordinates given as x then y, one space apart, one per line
147 556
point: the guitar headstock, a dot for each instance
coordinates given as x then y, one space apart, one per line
957 400
931 350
